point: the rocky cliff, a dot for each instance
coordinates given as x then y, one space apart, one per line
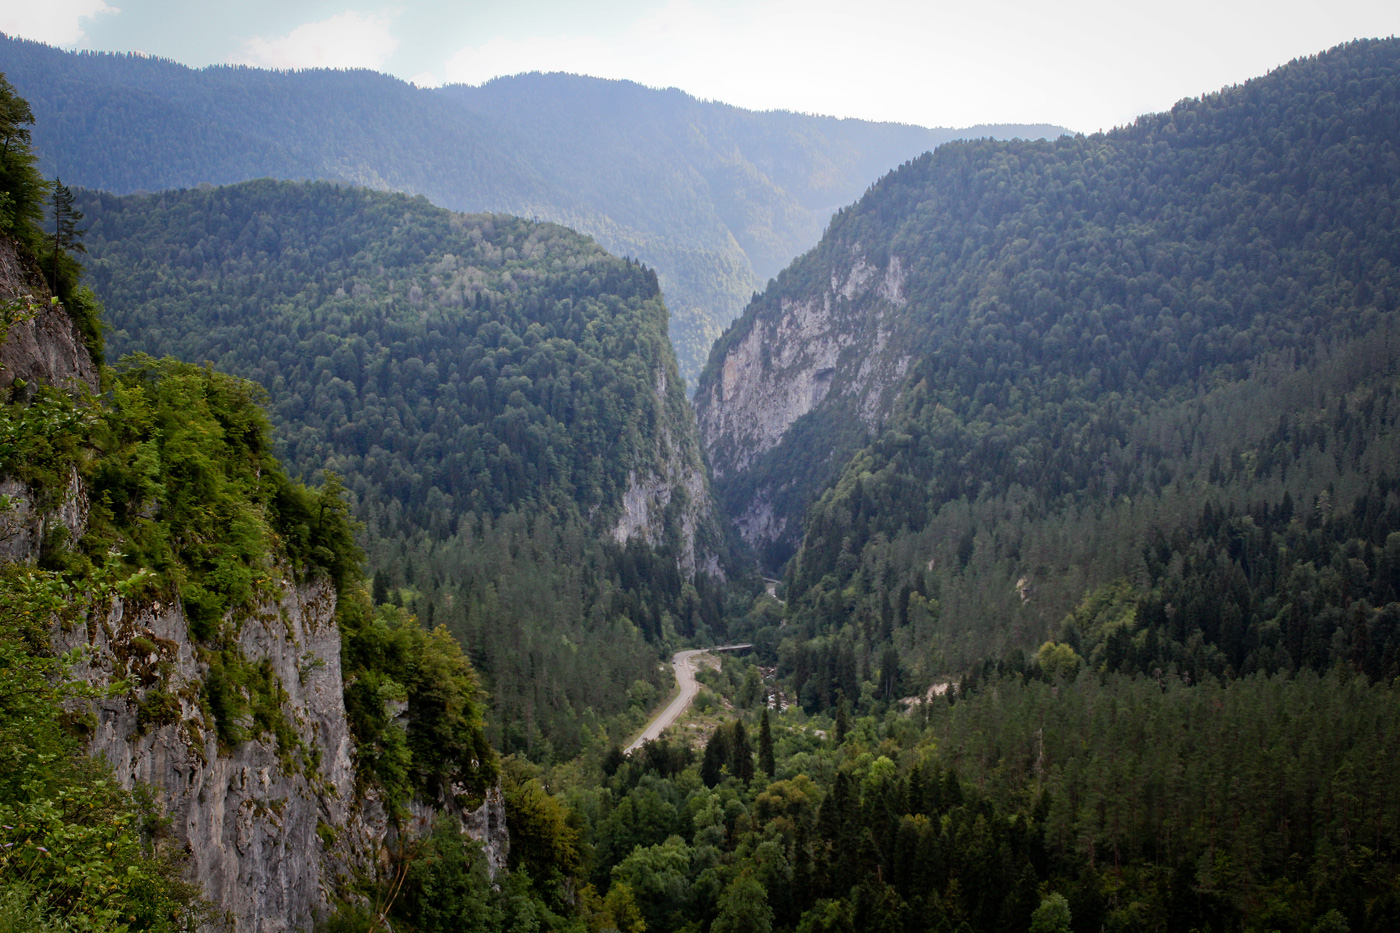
39 343
248 815
263 795
668 495
821 353
274 825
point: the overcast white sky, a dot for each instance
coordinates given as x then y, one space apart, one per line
1085 64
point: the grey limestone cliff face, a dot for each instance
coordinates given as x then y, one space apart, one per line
670 492
271 829
818 348
42 345
249 815
25 523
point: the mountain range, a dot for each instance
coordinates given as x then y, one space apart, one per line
717 199
1011 366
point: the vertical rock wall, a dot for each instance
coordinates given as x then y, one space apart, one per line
828 345
670 494
249 815
271 828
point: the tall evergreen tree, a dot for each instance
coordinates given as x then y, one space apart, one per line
15 118
741 753
22 188
765 746
65 226
716 756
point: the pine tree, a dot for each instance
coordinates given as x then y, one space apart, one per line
741 752
716 754
15 118
765 746
843 720
65 226
22 189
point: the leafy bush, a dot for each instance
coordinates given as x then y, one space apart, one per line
393 667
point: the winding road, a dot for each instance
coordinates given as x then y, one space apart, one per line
684 664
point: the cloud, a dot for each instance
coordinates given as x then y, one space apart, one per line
346 40
887 59
1087 64
57 22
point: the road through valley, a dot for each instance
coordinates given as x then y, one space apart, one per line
684 663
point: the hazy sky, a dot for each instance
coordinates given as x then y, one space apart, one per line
1085 64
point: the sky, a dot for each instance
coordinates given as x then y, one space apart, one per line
1083 64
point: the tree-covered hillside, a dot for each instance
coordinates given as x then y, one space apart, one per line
1101 338
1074 805
715 198
489 388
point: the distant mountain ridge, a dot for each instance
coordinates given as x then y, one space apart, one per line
716 198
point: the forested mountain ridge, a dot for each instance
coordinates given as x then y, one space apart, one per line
499 396
1011 364
715 198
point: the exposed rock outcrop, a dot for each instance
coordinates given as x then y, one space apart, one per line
271 827
669 495
823 347
25 523
42 343
248 815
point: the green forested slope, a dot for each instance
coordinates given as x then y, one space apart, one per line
1105 334
487 387
715 198
1092 804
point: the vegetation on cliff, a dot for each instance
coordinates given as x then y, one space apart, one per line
25 195
77 852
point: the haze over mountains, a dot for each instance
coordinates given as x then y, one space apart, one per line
716 198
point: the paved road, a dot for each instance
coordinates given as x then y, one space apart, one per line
684 663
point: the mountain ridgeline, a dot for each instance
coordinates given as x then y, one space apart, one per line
498 395
1016 371
715 198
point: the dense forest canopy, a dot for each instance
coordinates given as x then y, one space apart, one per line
1132 517
1074 804
715 198
455 363
488 388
